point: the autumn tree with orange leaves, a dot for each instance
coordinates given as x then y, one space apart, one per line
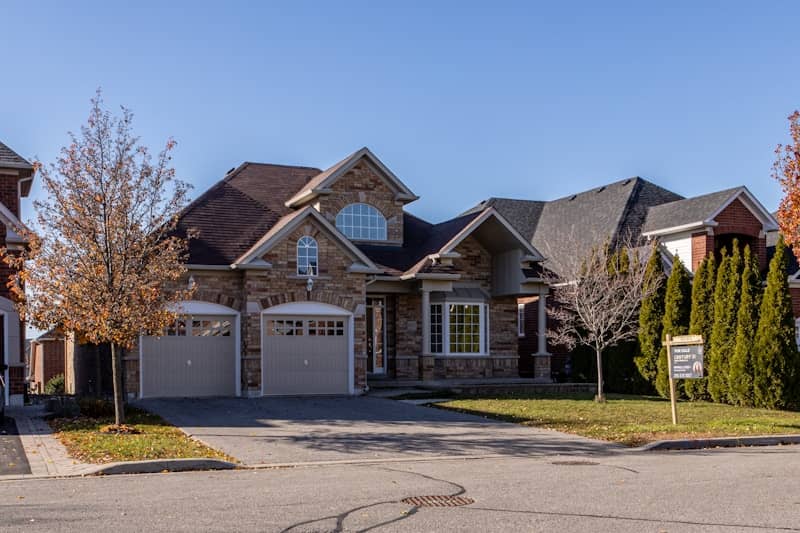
103 257
787 171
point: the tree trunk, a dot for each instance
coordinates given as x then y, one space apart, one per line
601 397
119 399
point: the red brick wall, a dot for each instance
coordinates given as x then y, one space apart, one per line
738 219
16 375
8 192
702 245
795 293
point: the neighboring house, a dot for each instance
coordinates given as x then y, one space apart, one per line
568 228
16 176
50 355
314 281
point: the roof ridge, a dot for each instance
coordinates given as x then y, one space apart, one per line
282 165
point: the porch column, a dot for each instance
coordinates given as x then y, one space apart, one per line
542 325
426 322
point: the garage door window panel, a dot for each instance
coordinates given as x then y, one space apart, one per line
285 327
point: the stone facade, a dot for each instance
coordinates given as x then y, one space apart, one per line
475 268
252 290
363 184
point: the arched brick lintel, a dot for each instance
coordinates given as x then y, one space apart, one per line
322 296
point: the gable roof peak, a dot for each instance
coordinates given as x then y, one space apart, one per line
320 183
11 159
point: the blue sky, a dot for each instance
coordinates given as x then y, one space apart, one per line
462 100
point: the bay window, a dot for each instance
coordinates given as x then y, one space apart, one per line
459 328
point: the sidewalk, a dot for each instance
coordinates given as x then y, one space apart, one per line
47 457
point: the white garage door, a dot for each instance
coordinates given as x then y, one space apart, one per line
196 357
305 355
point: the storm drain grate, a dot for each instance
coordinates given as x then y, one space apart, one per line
574 463
438 501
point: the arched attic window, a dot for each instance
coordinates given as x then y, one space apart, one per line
307 256
361 222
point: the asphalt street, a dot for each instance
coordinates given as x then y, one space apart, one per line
755 489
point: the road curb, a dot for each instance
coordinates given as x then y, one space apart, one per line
161 465
720 442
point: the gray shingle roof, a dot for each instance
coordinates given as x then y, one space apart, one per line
11 159
686 211
567 228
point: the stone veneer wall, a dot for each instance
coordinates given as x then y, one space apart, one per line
280 284
362 184
224 287
475 266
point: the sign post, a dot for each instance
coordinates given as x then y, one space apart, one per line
685 361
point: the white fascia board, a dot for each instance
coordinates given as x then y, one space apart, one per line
268 241
478 221
208 267
678 229
431 275
404 193
767 220
361 268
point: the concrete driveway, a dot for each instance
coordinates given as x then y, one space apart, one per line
300 430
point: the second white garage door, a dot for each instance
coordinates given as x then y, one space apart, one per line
305 355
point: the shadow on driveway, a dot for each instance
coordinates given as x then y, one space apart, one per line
290 430
13 460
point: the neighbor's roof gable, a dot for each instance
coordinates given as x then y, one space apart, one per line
700 211
321 183
11 159
567 228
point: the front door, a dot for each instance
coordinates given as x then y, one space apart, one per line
376 335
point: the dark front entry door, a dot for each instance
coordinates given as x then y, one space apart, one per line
376 335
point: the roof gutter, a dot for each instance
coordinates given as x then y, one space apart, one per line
683 227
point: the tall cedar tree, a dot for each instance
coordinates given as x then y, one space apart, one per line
723 334
775 357
702 319
650 321
104 256
677 311
740 378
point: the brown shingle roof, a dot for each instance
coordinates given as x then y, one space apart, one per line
11 159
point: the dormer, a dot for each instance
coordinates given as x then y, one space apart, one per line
361 197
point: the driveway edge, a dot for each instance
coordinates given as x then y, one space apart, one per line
719 442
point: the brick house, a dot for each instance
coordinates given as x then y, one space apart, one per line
16 176
689 228
314 282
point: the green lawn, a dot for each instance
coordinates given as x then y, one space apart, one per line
630 420
156 439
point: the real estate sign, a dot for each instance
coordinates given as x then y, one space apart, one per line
687 361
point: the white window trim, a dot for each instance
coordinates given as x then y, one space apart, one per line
316 256
484 330
520 320
381 237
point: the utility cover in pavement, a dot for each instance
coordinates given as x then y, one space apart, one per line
438 501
